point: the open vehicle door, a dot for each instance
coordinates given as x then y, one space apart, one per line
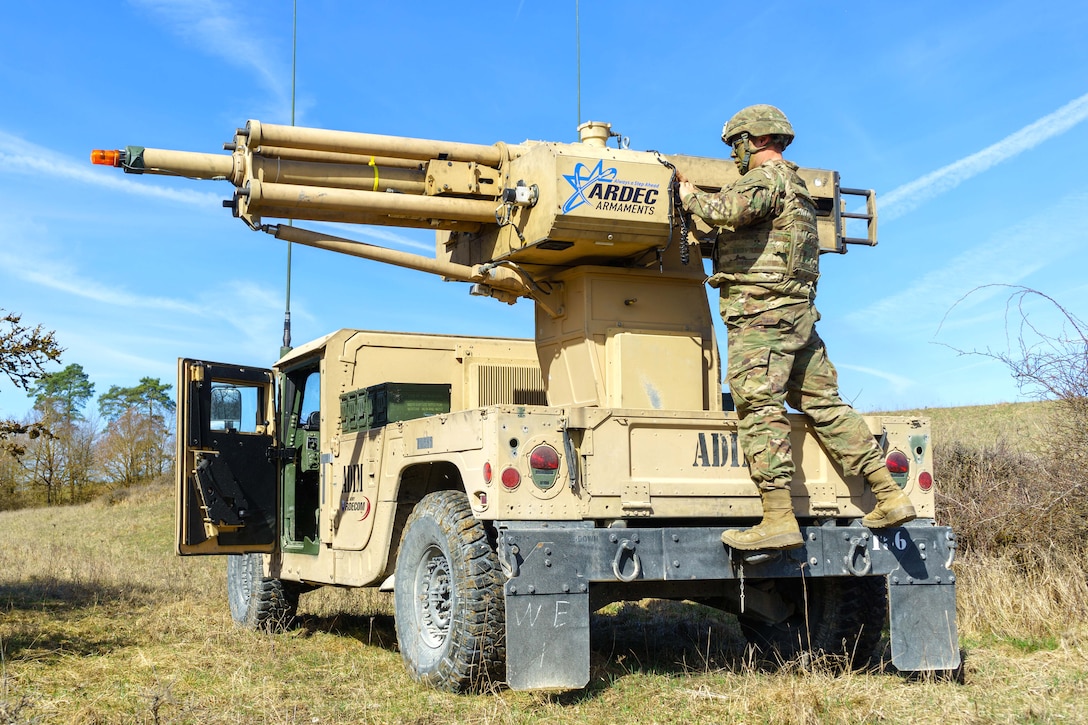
227 467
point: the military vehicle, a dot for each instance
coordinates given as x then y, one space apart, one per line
506 489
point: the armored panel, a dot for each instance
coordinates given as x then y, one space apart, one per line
677 359
621 341
594 203
581 205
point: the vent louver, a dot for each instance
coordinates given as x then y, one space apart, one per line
510 385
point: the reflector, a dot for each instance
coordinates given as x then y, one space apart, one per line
103 157
925 481
510 477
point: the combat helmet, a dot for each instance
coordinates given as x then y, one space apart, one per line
758 120
752 122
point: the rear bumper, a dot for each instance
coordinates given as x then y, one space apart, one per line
553 567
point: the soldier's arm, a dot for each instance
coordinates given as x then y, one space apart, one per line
734 206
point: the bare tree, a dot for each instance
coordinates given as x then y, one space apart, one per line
1048 499
24 352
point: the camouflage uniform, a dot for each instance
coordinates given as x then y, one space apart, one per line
766 268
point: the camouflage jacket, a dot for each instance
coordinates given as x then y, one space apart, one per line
767 249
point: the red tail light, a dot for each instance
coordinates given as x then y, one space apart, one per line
544 458
544 462
897 462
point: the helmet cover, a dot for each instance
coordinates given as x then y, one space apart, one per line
758 120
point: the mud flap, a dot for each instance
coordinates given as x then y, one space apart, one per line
547 641
923 627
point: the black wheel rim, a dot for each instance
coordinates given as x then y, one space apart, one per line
434 595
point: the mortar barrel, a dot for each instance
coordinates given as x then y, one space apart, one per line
362 217
497 277
316 139
188 163
282 152
346 176
292 196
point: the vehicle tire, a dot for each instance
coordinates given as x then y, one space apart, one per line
257 601
448 597
844 620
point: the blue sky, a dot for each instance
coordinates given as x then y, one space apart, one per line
968 119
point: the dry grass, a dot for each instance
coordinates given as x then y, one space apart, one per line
1043 606
101 623
1022 425
1010 478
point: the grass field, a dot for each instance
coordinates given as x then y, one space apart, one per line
1021 425
101 623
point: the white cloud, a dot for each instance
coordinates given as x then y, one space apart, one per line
379 234
243 305
910 196
18 155
26 254
212 27
898 383
72 283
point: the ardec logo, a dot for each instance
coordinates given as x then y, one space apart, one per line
611 195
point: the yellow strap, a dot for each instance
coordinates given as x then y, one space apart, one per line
375 172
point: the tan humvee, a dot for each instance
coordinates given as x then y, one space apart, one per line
506 488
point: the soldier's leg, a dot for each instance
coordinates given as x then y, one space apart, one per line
758 370
814 390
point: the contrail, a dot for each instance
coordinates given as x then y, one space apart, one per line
911 195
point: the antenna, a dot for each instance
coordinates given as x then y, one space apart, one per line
578 55
286 347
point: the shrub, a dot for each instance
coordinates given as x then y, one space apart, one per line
984 493
998 498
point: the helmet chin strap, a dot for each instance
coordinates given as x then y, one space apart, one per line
745 160
742 161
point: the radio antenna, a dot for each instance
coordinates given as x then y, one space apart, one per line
286 347
578 56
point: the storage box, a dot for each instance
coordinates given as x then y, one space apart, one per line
385 403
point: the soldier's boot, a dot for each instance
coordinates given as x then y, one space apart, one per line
777 530
893 507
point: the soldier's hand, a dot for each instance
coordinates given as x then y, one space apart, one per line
686 187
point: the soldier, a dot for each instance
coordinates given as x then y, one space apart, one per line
766 266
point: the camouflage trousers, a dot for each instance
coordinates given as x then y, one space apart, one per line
776 357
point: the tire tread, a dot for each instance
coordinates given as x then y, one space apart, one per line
475 651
